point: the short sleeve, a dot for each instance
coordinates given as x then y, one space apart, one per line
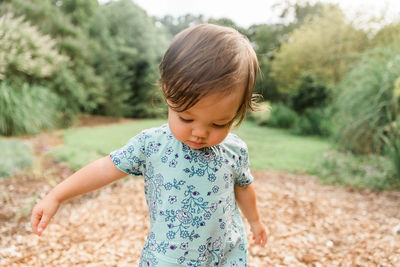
243 174
131 157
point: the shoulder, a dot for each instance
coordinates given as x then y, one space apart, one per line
234 140
234 144
153 133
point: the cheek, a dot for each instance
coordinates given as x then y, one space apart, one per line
177 128
219 136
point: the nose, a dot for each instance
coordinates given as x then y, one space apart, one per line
200 132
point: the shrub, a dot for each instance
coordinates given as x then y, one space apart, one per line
366 103
27 110
309 93
313 121
368 171
392 141
262 115
281 116
24 51
14 156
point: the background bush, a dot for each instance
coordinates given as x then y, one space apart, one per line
365 104
368 171
24 51
308 93
28 109
14 156
262 115
281 116
314 121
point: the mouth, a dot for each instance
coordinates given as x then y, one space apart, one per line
193 144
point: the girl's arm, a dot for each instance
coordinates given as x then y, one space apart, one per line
89 178
246 200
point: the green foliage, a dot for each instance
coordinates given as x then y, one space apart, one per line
392 131
393 147
387 35
73 43
132 47
262 114
25 52
80 11
366 103
14 156
309 100
27 110
281 116
228 23
176 24
309 93
266 39
325 45
113 51
368 171
314 121
303 11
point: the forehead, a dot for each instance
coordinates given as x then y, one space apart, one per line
217 106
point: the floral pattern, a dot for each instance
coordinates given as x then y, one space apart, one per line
190 195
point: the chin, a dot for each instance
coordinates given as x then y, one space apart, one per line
194 145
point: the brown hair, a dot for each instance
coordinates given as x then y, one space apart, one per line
205 59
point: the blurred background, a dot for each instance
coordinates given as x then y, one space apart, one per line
328 70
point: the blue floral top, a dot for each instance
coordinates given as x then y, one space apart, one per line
194 219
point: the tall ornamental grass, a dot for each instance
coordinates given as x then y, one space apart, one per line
27 110
365 106
368 113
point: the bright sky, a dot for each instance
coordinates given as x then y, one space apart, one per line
247 12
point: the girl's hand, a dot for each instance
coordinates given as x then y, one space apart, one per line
42 213
259 233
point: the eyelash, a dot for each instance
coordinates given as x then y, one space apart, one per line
220 126
185 120
214 125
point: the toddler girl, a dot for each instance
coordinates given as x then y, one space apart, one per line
195 170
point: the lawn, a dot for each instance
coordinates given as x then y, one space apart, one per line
270 149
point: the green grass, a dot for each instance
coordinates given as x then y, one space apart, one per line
277 149
83 145
270 149
14 156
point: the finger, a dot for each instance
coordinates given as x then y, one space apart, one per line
263 242
44 221
264 239
35 219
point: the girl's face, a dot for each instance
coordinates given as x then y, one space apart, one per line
208 122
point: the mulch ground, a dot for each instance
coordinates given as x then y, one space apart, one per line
310 224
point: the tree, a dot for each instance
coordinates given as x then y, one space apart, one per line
25 52
176 24
79 11
266 39
387 35
228 23
130 48
76 82
326 46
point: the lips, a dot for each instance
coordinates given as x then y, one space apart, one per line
194 144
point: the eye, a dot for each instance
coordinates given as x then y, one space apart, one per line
185 120
221 125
